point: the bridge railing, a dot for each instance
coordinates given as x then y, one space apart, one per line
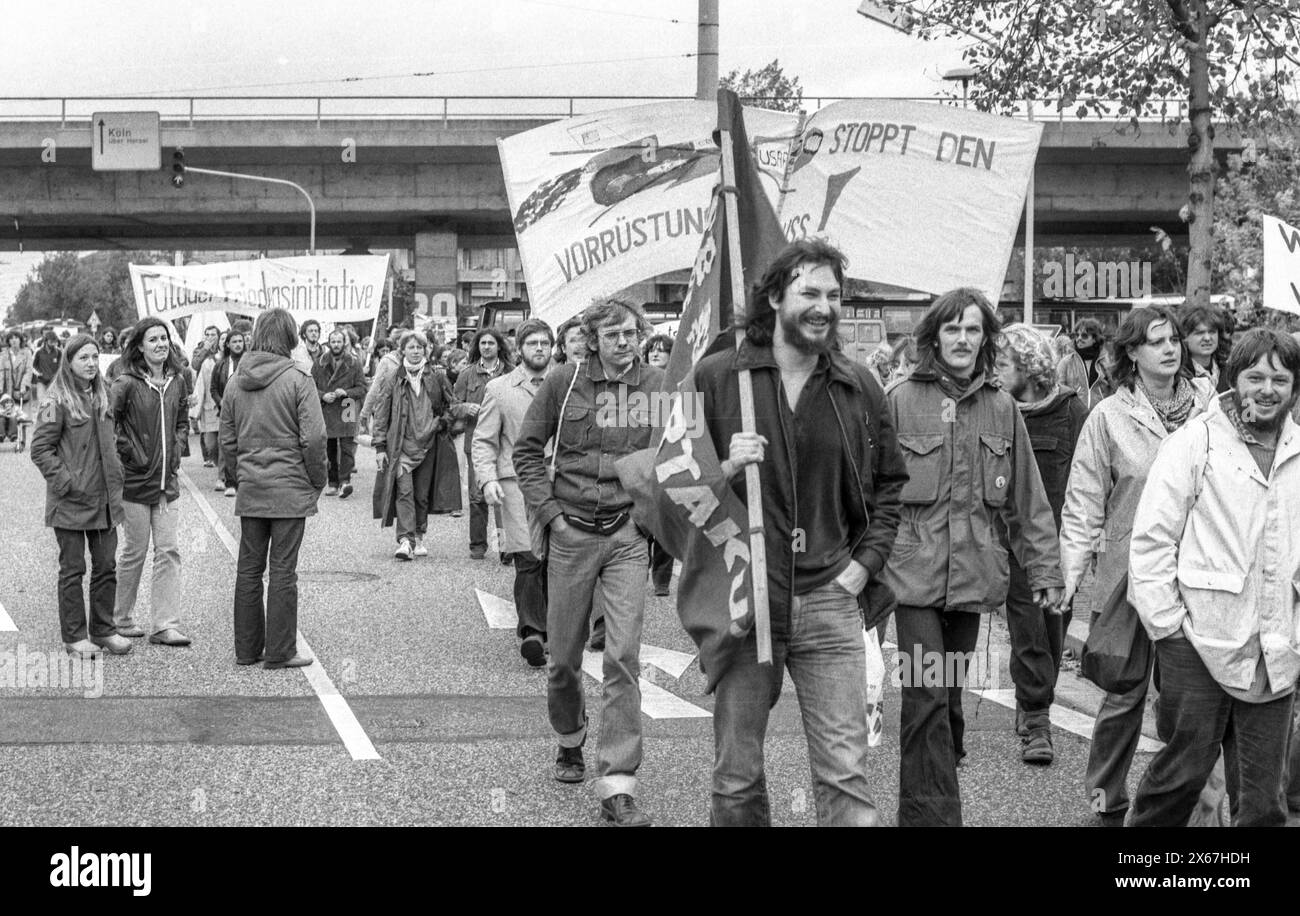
187 111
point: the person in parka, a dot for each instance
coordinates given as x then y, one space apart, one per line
1053 414
75 452
151 416
273 447
342 384
970 463
411 413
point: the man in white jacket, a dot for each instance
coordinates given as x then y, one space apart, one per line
1214 573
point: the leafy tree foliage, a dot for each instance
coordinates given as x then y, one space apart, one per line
1268 182
70 285
1223 59
765 88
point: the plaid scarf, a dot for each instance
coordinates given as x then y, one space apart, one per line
1173 412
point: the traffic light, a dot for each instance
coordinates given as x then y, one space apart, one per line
178 166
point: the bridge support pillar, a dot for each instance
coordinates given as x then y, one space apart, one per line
435 273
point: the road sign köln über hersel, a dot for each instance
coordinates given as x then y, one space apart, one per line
125 141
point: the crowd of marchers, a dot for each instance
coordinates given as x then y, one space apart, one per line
975 468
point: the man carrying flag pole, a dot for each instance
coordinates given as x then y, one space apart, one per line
829 473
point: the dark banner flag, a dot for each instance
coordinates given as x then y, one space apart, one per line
681 495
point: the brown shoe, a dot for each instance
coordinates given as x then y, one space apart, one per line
297 661
170 638
115 644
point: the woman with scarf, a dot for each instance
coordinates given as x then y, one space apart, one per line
1155 395
74 449
411 413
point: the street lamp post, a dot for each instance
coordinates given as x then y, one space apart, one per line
311 205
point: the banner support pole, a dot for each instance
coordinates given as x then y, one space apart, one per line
753 492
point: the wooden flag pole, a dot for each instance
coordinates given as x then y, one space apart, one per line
753 493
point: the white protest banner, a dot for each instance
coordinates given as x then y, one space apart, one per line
922 196
329 288
605 200
1281 265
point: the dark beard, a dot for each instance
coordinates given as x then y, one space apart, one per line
537 368
794 335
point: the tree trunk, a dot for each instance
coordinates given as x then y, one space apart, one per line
1200 168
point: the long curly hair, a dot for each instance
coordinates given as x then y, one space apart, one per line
1032 353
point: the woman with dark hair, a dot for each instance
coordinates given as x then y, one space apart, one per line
412 412
273 444
108 342
1089 341
570 340
1155 395
151 419
656 351
75 451
1208 340
489 358
232 352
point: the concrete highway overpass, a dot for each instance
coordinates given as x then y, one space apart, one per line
433 184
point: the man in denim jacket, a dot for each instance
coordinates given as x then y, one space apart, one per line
594 543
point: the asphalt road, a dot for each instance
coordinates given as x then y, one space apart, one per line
456 719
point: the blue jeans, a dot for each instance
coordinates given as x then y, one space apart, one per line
827 662
579 566
1197 718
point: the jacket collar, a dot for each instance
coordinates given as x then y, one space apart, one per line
518 378
596 372
750 355
1288 443
928 371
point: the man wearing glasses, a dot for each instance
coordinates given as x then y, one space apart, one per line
593 542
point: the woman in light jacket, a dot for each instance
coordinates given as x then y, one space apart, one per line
204 414
1155 395
74 448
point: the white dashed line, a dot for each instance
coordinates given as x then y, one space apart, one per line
1063 717
336 706
7 624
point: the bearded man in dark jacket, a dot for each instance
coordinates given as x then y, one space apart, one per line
342 385
831 473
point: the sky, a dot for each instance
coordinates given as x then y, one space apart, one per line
485 47
565 47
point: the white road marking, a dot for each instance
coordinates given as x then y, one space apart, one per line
1062 717
499 612
7 624
656 702
669 661
345 722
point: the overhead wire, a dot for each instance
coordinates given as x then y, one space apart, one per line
418 74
